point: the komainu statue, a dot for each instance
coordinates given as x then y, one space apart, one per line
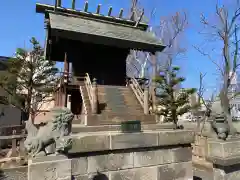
219 123
55 132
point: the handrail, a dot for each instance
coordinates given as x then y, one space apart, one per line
137 91
61 77
89 88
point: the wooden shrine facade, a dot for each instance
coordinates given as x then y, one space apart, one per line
94 43
97 46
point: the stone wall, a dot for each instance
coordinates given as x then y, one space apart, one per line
225 156
152 155
200 147
202 168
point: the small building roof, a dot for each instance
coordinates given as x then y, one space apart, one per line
45 8
130 37
81 25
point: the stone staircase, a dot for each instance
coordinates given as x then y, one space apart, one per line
115 105
118 100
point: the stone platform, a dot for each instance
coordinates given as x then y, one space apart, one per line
148 155
78 128
113 119
225 156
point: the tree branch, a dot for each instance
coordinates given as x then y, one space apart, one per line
210 58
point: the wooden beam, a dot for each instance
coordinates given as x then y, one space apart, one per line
73 4
86 6
121 13
98 8
110 11
44 8
132 16
55 5
140 18
59 3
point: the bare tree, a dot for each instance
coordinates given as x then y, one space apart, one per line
169 32
138 61
224 32
197 102
202 103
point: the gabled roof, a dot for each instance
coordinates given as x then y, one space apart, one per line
134 38
81 25
45 8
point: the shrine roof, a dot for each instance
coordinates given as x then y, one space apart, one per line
83 26
45 8
138 39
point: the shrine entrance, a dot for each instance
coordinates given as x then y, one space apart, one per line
75 100
98 46
105 63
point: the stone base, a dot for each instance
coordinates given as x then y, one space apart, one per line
231 172
78 128
225 155
113 119
164 155
202 169
50 168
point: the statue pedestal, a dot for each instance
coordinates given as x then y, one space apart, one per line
147 155
49 167
150 155
225 156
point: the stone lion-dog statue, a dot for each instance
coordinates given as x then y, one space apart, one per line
55 132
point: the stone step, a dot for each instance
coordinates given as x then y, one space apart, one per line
133 113
123 105
124 97
80 128
113 118
111 86
113 98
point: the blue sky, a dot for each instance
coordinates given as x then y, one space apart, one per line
20 22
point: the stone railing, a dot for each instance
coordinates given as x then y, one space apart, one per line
142 96
147 155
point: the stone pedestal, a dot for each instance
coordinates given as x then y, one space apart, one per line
225 156
147 155
49 168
